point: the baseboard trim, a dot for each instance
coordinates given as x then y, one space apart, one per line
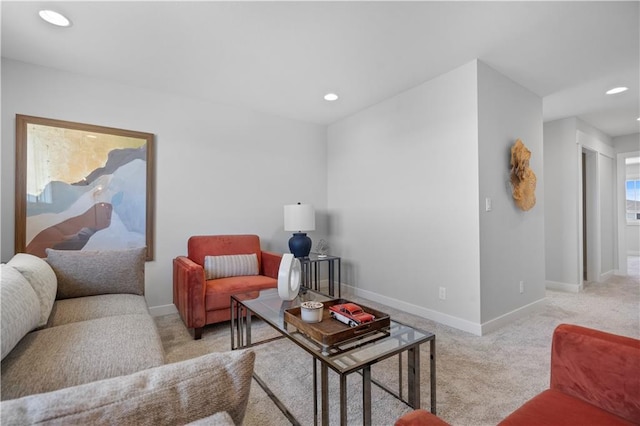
558 286
606 276
449 320
158 311
510 317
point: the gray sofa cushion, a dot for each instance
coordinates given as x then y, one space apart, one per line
42 279
88 273
66 311
80 352
19 308
169 395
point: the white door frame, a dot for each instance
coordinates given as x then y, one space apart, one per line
592 217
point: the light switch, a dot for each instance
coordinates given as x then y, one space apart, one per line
487 203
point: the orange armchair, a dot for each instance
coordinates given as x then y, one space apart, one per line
200 301
595 380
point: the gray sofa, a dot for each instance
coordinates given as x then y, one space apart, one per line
80 347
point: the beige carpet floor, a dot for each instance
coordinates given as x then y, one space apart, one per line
480 380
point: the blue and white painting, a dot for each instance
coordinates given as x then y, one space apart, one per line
85 191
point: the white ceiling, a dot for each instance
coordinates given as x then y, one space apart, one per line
282 57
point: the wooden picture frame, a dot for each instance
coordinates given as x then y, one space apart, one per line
82 187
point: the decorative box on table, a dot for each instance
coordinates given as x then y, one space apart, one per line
330 332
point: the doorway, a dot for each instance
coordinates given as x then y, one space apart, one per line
628 173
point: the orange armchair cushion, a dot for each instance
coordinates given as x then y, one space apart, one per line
219 291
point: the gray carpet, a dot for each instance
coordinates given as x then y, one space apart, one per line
480 380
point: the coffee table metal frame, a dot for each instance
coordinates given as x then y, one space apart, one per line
355 356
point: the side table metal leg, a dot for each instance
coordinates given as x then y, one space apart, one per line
331 272
316 281
366 395
413 379
306 273
339 278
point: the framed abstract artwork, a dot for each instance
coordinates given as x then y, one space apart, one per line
82 187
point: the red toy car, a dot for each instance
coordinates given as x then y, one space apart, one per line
350 314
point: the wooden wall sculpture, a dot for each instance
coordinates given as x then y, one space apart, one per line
523 180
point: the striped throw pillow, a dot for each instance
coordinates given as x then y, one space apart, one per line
230 265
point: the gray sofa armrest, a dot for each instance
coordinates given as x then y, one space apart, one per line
176 393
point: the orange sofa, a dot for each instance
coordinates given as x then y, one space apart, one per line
200 301
595 380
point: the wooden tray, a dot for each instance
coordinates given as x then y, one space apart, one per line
330 332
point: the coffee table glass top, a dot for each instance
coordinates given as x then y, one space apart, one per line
342 358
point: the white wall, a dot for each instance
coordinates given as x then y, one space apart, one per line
219 169
404 199
628 143
511 241
407 181
608 251
561 202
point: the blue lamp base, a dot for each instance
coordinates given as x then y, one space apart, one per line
300 244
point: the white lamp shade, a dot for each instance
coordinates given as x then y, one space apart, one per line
299 217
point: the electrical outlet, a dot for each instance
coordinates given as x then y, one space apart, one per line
443 293
521 287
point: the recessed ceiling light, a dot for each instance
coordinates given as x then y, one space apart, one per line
330 97
617 90
638 119
55 18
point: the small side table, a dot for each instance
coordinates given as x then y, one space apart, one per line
311 271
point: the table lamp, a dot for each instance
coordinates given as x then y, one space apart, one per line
299 218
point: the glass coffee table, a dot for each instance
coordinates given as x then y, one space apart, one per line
356 355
